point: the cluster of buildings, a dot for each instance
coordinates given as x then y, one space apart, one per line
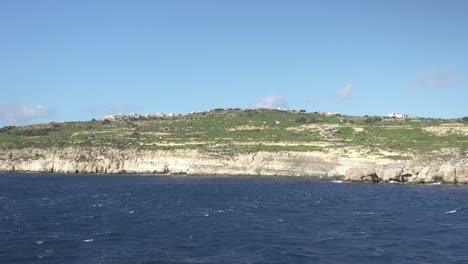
135 116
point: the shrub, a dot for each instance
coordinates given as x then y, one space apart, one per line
307 120
6 128
301 119
34 132
372 119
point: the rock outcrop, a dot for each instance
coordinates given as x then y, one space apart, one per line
192 162
411 172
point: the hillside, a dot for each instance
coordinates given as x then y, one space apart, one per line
229 141
254 130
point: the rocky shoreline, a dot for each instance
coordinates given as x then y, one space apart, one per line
192 162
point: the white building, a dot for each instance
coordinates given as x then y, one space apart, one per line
327 113
398 115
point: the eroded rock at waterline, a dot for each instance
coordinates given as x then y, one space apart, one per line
361 174
448 172
189 162
193 162
461 173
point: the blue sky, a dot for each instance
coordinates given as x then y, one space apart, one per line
77 60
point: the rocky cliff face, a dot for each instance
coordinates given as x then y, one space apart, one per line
192 162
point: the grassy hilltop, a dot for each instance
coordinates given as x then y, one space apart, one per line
236 130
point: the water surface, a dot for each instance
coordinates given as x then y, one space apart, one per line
165 219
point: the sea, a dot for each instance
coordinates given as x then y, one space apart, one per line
53 218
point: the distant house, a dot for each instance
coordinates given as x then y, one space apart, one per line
150 115
398 115
327 113
114 117
134 116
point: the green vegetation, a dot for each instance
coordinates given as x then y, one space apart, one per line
236 130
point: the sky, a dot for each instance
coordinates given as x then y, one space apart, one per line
77 60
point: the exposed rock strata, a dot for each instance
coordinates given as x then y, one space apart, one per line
440 172
192 162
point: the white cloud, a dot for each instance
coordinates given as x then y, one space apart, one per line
112 109
344 93
271 101
439 77
20 113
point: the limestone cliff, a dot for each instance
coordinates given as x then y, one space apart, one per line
192 162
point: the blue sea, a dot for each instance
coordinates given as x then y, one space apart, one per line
56 218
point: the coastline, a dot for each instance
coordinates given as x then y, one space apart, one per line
318 164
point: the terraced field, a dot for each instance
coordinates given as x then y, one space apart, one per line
236 130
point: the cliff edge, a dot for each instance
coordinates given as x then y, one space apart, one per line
193 162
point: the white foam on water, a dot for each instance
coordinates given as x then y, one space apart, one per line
102 233
451 212
131 212
337 181
39 242
435 183
206 214
88 240
320 199
98 195
48 252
